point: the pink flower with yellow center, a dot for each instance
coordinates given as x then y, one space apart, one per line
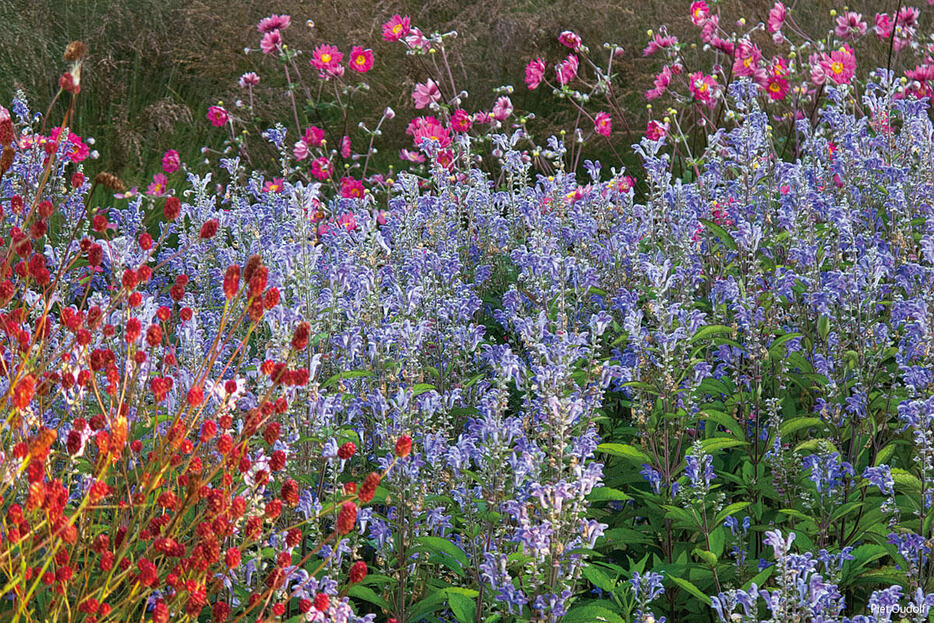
313 136
502 108
274 185
171 161
361 60
157 188
460 121
396 28
839 65
603 124
351 188
321 168
426 93
432 131
570 39
703 88
776 88
217 116
326 57
699 12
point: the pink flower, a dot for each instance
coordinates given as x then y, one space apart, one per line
883 27
171 161
659 42
300 150
313 136
416 40
347 220
249 79
396 28
656 131
420 122
351 188
345 147
747 58
426 94
603 124
502 108
776 17
76 149
703 88
432 131
321 168
217 116
274 22
361 60
534 73
157 188
850 25
570 39
273 186
709 28
662 80
840 65
411 156
818 73
567 70
271 42
699 12
908 17
776 87
460 121
326 58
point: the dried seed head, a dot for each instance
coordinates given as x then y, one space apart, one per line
75 51
111 181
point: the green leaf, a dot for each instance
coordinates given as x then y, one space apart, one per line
760 578
626 451
711 330
368 594
463 607
823 327
714 444
691 588
591 613
775 348
598 578
735 507
421 388
438 545
906 480
709 558
790 426
723 419
350 374
720 233
604 494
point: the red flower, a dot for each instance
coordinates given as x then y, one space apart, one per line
173 207
24 391
403 446
368 488
357 572
232 558
209 229
322 602
346 451
347 518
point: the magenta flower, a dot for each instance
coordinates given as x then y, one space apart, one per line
417 41
747 58
656 131
433 131
217 116
534 73
426 93
314 136
850 25
659 42
274 186
411 156
603 124
157 187
703 88
567 70
776 17
300 150
361 60
396 28
776 87
347 220
321 168
839 65
662 80
351 188
249 79
345 147
273 22
460 121
171 161
326 58
502 108
271 42
570 40
699 12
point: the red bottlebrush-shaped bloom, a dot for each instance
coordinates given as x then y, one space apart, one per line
322 602
196 397
271 299
231 281
23 391
271 434
293 537
154 335
300 336
357 572
273 508
145 242
368 488
346 451
232 558
403 446
172 209
347 518
209 229
289 492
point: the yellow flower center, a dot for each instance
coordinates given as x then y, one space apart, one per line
325 58
397 28
837 67
361 60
